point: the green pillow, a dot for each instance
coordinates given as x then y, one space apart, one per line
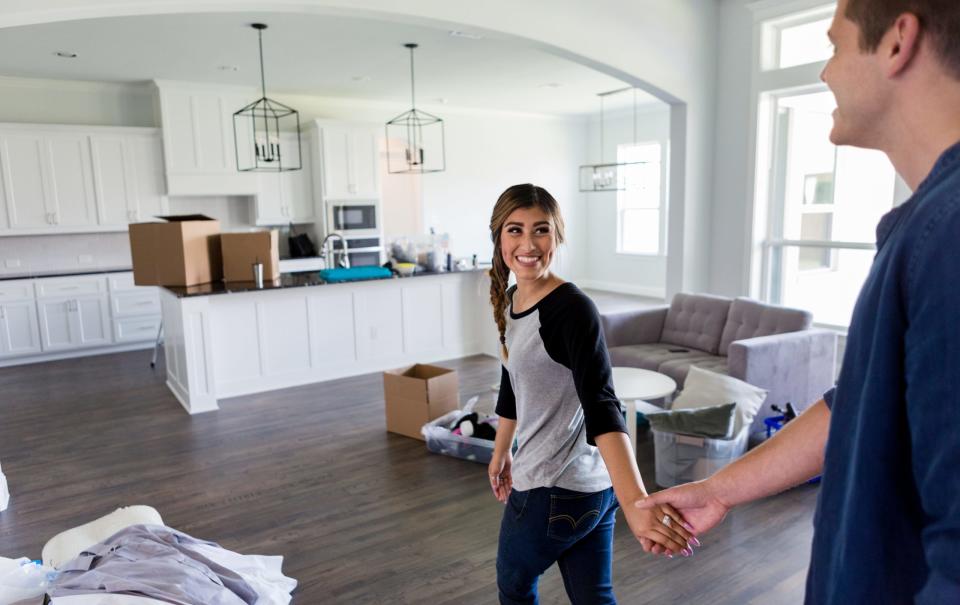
715 422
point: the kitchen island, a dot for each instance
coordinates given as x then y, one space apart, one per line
225 340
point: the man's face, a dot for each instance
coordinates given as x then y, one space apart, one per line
856 80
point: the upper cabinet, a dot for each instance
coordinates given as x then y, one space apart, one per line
288 197
350 160
128 173
198 139
73 179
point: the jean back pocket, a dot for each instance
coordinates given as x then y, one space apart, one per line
573 515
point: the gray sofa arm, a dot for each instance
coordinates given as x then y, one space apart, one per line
796 366
633 327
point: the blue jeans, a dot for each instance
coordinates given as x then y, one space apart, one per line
574 529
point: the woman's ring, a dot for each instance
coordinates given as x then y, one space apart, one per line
666 520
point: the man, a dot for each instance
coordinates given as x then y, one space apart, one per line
887 437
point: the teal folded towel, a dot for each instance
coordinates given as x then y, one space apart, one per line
354 273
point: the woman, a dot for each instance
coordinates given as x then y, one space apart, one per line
557 398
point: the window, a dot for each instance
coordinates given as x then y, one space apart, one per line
640 215
804 43
825 203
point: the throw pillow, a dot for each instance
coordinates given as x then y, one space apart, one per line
704 388
715 422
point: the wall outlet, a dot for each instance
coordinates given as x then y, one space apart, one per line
11 263
85 259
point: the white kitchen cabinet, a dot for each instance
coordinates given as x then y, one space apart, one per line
73 323
287 197
128 175
74 312
350 161
423 318
77 179
71 180
379 323
198 139
22 160
19 331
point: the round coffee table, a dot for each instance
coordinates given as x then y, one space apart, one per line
633 385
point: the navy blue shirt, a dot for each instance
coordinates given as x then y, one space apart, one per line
887 526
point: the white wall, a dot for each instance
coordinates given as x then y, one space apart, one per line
605 269
71 102
735 122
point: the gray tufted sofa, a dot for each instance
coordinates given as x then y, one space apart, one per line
765 345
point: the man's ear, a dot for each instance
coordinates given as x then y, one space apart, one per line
900 44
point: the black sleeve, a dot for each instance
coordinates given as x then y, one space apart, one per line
506 401
573 337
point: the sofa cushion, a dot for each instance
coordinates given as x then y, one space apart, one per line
749 319
696 321
652 356
679 368
704 388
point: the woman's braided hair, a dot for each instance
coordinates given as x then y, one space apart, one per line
515 197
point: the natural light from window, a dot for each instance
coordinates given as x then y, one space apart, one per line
827 195
804 43
639 204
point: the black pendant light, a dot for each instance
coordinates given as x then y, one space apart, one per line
258 128
420 135
610 176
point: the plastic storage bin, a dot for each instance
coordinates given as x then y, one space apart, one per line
441 440
683 458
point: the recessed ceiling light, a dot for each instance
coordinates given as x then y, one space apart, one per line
360 78
66 54
550 85
440 100
456 33
228 68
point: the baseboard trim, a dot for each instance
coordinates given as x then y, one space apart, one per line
20 361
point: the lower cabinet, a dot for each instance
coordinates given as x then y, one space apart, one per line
19 332
71 323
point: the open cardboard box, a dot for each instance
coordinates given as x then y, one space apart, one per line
417 394
183 250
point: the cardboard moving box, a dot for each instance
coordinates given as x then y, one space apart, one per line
241 250
183 251
415 395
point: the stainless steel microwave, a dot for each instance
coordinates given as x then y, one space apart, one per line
354 218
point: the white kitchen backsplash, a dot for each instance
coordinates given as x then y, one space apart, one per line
40 253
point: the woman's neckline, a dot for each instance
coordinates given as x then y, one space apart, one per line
535 305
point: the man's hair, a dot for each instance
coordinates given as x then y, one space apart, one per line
939 19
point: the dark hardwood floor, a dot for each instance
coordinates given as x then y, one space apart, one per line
360 515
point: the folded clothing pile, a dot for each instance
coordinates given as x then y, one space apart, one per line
129 557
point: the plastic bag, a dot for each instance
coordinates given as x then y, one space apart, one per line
4 492
23 579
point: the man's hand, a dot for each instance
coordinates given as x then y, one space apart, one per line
700 507
660 529
501 479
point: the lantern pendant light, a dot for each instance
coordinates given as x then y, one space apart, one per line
266 134
609 176
419 134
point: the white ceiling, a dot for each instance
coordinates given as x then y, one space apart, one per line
314 55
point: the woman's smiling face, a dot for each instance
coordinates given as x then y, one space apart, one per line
528 243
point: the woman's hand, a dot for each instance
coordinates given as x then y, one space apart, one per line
660 529
501 480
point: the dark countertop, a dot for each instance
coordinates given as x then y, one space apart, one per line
64 272
286 280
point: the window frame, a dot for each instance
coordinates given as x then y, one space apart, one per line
661 208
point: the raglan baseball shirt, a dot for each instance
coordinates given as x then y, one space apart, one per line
557 385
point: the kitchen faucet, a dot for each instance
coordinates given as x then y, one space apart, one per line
328 251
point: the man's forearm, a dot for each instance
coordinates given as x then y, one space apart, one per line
793 455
